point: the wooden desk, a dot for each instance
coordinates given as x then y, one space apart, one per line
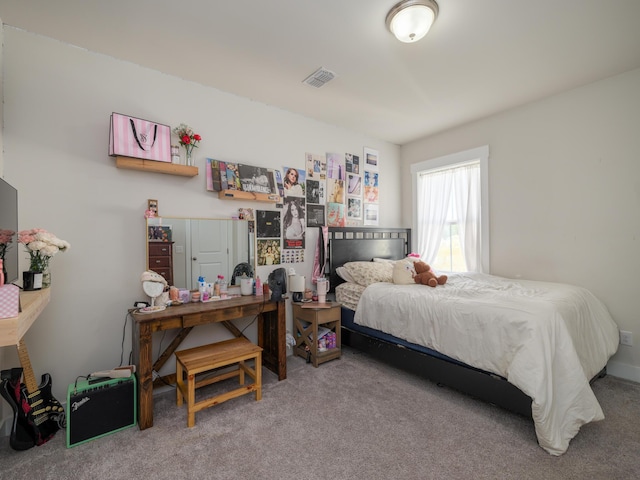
32 304
271 337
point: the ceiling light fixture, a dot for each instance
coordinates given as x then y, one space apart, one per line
410 20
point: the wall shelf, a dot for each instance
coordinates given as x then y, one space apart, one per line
32 304
157 167
242 195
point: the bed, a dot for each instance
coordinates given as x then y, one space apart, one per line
529 347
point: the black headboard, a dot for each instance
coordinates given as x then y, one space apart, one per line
351 244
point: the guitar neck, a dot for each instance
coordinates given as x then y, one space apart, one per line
27 369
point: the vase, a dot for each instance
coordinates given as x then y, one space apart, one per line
5 276
189 159
31 281
46 278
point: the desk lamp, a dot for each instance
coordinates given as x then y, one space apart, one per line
296 284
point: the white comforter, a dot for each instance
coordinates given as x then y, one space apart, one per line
547 339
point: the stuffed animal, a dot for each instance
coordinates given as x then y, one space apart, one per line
425 276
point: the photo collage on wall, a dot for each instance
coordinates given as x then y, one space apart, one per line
354 187
333 189
370 208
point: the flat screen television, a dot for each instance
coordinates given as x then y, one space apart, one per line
9 229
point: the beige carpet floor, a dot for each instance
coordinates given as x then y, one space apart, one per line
352 418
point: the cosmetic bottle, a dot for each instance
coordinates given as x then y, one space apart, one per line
223 286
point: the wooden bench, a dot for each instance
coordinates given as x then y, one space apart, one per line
194 361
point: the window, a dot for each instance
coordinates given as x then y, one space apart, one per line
451 213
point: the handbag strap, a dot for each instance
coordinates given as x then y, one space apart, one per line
135 134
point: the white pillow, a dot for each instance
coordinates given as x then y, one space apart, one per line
366 273
403 272
344 274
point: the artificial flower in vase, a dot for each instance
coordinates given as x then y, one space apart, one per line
41 246
6 238
188 140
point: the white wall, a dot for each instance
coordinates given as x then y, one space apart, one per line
58 99
564 188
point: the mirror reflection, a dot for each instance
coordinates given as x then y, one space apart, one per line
183 249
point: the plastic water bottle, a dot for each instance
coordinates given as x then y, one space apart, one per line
223 286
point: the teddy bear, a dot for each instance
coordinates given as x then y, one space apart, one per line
425 276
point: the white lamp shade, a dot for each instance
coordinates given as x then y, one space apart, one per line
411 23
296 283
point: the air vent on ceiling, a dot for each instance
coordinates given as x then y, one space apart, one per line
319 77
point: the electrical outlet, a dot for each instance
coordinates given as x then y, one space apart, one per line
626 338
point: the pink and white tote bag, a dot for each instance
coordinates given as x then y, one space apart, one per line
137 138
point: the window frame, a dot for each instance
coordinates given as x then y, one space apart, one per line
453 160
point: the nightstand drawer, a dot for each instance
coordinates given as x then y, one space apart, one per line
156 262
159 249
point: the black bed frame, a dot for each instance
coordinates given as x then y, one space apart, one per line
363 244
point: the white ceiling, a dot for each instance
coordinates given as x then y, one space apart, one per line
480 57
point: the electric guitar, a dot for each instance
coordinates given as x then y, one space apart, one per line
37 414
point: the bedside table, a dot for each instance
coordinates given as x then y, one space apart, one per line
308 320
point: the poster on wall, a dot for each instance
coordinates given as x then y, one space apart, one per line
370 214
293 222
335 215
268 224
316 166
315 215
370 159
269 251
293 182
335 190
335 166
354 208
313 191
352 163
256 179
370 186
293 255
354 183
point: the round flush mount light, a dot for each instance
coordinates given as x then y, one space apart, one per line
410 20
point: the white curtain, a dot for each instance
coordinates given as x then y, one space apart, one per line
450 195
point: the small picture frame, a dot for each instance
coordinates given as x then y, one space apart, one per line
370 159
152 206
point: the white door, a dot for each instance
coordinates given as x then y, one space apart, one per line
209 251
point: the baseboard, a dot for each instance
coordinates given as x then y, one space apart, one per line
624 371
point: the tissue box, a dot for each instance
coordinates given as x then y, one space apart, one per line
9 301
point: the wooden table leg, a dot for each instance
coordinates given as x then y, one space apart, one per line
145 377
281 341
272 331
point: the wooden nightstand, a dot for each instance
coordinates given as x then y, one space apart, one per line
308 319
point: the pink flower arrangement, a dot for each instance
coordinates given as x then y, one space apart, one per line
41 245
188 139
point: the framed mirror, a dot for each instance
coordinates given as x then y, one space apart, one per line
183 249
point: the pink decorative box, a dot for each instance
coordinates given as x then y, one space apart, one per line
9 301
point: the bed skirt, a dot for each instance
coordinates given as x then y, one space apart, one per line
434 366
